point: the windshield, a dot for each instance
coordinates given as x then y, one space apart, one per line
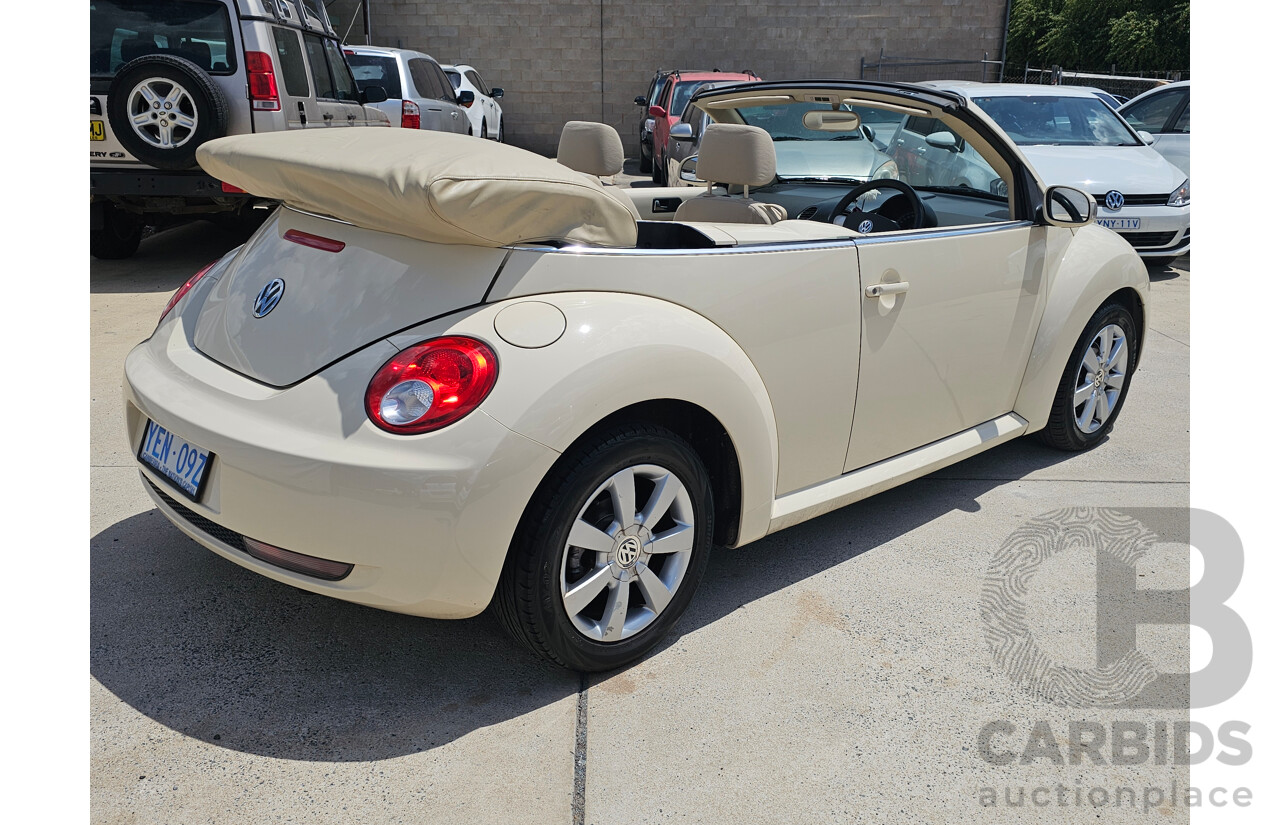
845 143
1057 121
197 31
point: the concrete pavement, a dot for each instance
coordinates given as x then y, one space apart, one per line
834 672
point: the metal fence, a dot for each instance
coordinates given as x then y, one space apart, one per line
1126 85
911 69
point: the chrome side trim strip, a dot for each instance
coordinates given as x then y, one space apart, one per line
785 246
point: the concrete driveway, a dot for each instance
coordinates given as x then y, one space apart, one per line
834 672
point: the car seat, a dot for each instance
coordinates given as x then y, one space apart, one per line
594 149
734 155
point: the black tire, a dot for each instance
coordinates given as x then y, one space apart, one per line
484 128
1063 432
203 100
119 236
659 168
528 601
646 161
501 131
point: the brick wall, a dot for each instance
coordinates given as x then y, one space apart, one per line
564 60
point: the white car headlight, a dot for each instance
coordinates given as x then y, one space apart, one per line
1182 195
887 170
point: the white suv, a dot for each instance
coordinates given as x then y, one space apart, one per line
419 95
166 77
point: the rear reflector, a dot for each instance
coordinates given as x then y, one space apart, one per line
297 562
232 190
314 241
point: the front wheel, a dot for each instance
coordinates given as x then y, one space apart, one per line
484 129
610 550
1096 381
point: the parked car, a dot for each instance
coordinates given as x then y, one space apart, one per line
485 113
846 150
1071 136
164 78
649 98
675 92
420 96
450 373
1165 113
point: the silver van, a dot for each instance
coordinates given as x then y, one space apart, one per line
166 76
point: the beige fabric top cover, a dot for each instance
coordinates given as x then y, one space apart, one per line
434 186
733 153
593 148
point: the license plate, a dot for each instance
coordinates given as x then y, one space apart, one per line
97 131
1120 223
183 464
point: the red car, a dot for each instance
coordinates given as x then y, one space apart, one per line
666 112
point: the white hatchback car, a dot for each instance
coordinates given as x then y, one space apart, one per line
485 113
1072 137
1165 113
419 96
450 373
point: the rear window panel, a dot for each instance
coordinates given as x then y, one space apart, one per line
121 31
454 78
292 65
376 70
344 83
320 76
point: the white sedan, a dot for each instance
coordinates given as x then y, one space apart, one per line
448 374
1072 137
485 113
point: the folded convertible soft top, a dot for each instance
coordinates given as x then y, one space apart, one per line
433 186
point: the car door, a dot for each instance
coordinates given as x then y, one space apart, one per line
1166 115
944 347
300 108
455 116
484 98
337 98
439 111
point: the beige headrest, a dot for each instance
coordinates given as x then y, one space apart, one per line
593 148
434 186
731 153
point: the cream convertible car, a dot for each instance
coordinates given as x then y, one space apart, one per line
450 373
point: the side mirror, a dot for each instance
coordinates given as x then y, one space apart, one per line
657 111
1146 137
496 93
943 140
639 101
682 131
1068 206
373 94
465 99
689 170
868 133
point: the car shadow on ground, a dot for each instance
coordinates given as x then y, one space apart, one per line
166 259
229 657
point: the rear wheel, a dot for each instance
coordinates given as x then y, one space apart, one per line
484 129
646 160
1096 381
162 108
659 169
610 550
119 235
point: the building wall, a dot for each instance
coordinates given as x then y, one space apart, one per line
562 60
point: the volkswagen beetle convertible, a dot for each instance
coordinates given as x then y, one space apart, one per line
449 374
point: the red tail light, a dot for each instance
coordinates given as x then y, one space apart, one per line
410 115
431 385
185 288
262 82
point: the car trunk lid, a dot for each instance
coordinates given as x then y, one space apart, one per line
339 288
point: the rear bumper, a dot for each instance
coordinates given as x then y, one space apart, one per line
424 520
159 184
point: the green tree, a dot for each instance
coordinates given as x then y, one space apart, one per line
1150 35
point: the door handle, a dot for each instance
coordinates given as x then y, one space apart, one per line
881 290
328 115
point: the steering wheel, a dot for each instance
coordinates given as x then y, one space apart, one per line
857 219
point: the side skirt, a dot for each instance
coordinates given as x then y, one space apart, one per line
856 485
